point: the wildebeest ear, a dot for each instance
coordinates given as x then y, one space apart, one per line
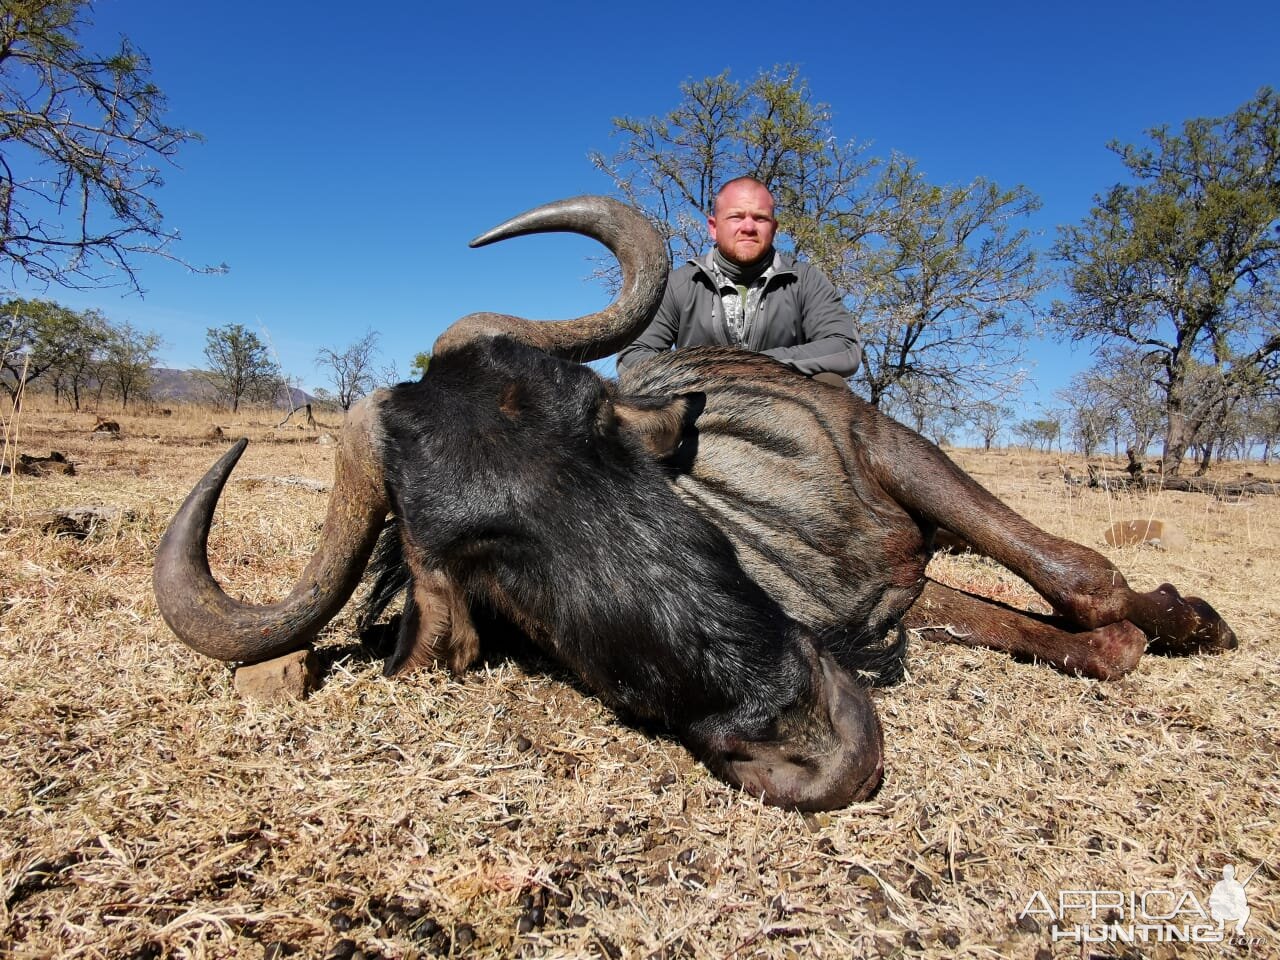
512 400
659 422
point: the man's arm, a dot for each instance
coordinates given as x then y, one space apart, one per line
658 336
829 343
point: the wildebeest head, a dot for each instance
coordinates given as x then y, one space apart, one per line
528 483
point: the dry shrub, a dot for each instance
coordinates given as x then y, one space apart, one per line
147 811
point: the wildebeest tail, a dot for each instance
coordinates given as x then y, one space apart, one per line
388 574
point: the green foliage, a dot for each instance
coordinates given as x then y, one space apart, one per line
1040 432
771 129
82 364
240 365
130 358
69 352
421 361
1181 265
36 336
81 134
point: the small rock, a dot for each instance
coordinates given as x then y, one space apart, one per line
424 929
81 522
921 887
290 677
1027 924
306 483
341 922
29 466
1158 533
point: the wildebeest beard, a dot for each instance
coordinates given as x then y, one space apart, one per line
525 481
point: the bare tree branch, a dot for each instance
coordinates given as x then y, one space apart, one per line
80 139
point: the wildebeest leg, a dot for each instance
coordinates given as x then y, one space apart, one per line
435 627
1104 653
1079 583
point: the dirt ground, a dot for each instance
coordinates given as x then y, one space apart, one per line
147 810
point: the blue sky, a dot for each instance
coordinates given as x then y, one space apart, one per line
350 153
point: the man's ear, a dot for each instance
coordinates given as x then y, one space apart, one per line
660 423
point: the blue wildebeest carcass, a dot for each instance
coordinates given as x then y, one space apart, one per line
714 542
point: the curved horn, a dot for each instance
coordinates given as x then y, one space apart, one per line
206 619
640 252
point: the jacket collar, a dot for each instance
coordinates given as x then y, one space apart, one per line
783 264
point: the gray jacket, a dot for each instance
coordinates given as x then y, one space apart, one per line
801 320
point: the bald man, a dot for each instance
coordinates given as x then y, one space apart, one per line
744 293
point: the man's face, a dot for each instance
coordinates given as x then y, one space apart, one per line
743 225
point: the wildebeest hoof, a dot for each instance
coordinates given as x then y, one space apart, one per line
1192 626
1214 635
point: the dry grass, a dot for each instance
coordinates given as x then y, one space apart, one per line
146 810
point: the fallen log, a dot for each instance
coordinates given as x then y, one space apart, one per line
1103 479
1220 488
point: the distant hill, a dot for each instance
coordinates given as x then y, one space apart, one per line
190 386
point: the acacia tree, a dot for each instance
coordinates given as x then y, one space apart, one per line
50 344
83 364
938 278
771 129
1123 380
36 337
351 371
1262 425
947 287
130 358
1043 431
240 366
988 418
82 136
1091 415
1182 264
